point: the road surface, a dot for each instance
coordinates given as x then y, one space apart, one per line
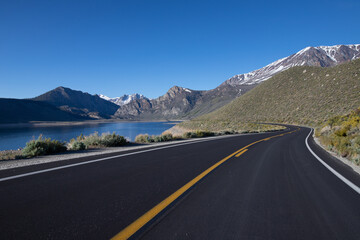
259 186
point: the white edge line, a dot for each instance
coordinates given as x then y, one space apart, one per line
342 178
106 158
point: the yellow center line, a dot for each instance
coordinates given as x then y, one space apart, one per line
240 153
144 219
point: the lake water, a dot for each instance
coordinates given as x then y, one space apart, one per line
16 137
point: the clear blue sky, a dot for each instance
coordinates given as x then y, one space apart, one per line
118 47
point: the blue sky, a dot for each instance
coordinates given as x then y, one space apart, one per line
118 47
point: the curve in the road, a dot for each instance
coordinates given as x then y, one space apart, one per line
152 213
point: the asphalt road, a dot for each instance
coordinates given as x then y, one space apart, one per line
276 189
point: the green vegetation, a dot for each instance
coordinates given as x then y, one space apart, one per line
43 146
300 95
341 134
10 154
198 134
46 146
145 138
96 141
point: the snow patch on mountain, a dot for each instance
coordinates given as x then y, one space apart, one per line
123 100
187 90
323 56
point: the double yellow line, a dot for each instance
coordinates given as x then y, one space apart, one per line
149 215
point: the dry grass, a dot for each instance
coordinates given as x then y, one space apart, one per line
341 134
10 154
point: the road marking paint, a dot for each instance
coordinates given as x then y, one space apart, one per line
112 157
135 226
240 153
341 177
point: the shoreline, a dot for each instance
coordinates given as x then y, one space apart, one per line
76 123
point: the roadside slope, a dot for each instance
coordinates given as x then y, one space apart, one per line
302 95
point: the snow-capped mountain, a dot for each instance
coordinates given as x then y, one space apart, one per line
123 100
323 56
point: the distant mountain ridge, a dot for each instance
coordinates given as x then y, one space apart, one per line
180 104
323 56
173 104
79 103
125 99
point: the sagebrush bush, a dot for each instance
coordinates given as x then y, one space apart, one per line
198 134
43 146
145 138
77 145
142 138
112 140
95 140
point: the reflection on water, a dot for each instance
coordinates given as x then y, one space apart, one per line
15 137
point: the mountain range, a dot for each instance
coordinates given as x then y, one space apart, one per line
125 99
177 103
183 103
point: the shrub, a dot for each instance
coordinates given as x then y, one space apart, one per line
145 138
198 134
43 146
93 140
112 140
10 154
142 138
105 140
189 135
167 137
77 146
204 134
341 134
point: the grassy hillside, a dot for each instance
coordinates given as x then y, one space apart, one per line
341 134
300 95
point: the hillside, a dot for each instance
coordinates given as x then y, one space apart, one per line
183 103
79 103
341 134
303 95
22 111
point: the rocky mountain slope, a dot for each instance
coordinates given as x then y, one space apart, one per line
303 95
125 99
79 103
323 56
182 103
173 104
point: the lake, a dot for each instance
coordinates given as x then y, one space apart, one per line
16 137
